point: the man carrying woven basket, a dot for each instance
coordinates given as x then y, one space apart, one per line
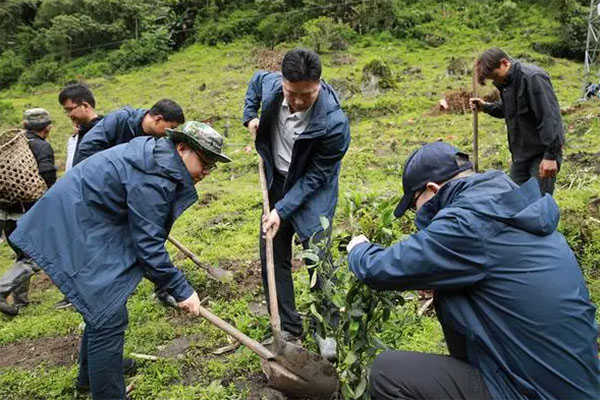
37 124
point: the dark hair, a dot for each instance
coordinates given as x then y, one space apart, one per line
36 126
301 65
487 62
77 93
169 110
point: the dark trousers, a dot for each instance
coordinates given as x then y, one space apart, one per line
522 171
282 254
101 358
16 280
409 375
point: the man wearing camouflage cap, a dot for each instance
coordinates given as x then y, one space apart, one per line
37 124
117 208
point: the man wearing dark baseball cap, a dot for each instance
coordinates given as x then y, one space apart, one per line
436 162
509 293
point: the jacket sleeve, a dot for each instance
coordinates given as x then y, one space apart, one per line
149 208
253 97
544 105
495 109
446 255
44 156
320 170
100 137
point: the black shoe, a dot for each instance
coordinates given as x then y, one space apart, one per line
64 303
129 366
286 337
165 298
7 308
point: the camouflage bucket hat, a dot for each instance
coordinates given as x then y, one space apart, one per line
37 116
200 137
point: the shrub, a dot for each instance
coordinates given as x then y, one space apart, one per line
275 29
224 30
324 33
152 47
45 70
11 67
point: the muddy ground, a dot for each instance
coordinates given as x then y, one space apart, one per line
29 354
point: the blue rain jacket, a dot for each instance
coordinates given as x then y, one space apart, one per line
103 226
311 186
508 284
116 128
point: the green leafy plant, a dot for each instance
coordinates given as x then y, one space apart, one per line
346 309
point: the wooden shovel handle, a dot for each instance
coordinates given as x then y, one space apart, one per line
475 127
273 307
252 344
218 274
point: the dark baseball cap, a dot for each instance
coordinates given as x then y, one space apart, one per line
433 162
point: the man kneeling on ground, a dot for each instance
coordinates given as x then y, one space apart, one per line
117 209
509 293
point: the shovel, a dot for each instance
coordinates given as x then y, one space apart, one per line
299 375
216 273
315 376
475 129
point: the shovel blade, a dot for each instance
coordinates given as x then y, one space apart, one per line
298 372
285 381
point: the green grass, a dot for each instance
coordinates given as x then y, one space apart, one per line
222 228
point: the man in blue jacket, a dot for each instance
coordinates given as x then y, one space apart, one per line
302 135
116 210
123 125
120 127
509 293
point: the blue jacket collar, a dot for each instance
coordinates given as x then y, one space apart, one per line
135 120
494 195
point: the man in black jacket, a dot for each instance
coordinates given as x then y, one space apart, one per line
37 125
532 114
79 104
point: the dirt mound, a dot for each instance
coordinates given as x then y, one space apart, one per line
268 60
40 282
457 101
56 351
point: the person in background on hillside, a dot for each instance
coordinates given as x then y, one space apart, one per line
37 124
532 114
509 293
123 125
302 135
79 105
117 209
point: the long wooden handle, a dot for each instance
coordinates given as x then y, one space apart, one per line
216 273
475 112
252 344
273 306
475 141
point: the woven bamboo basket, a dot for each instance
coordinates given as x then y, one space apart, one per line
20 180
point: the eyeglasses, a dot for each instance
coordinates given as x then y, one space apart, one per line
68 110
207 165
414 203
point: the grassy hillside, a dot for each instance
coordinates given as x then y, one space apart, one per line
210 82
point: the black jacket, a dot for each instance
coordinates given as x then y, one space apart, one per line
530 108
44 156
85 128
